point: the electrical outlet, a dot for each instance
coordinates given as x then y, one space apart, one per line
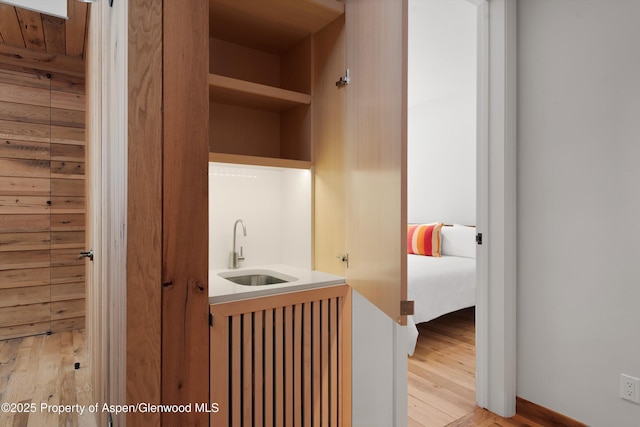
630 388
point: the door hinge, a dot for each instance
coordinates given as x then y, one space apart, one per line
344 80
210 319
406 308
479 238
344 258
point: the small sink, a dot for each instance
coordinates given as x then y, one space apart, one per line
256 277
255 280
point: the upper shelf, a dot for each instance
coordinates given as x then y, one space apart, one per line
259 161
270 25
232 91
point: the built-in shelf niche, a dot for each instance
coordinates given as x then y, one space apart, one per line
260 77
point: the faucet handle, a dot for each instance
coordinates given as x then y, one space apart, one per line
241 256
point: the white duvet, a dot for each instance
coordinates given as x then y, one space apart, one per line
438 285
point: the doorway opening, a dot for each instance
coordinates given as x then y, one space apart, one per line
443 82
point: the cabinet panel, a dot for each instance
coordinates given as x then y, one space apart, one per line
244 63
241 130
273 25
375 155
360 150
329 111
262 354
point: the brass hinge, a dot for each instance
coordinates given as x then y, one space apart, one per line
344 258
406 308
344 80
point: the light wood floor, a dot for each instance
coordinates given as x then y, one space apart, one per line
40 369
441 377
442 370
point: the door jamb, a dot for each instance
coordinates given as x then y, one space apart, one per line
496 216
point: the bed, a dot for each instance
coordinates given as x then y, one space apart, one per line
441 285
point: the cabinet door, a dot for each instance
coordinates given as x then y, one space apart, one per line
360 150
375 151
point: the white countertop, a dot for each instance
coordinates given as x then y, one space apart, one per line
223 290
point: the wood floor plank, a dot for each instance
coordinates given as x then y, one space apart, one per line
48 378
448 401
441 378
428 415
41 369
84 391
21 384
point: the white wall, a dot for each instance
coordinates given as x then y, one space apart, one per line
274 203
578 206
442 111
379 367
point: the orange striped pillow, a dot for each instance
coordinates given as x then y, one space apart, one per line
424 239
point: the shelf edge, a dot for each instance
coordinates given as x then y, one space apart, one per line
256 90
240 159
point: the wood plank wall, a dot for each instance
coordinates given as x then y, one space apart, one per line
42 203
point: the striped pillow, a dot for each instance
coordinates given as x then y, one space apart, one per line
424 239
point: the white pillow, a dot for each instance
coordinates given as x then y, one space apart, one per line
458 240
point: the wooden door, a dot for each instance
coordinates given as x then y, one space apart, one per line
375 151
360 151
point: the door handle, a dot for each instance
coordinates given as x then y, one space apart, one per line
86 254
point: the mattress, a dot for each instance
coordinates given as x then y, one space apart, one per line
438 285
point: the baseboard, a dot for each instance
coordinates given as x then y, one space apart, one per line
544 416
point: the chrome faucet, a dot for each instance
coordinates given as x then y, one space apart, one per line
234 257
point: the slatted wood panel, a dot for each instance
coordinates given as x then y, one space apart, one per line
41 202
282 360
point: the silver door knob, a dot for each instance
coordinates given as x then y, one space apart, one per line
86 254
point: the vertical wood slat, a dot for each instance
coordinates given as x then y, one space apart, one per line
268 368
247 367
306 363
333 362
288 366
270 376
279 368
297 365
324 355
219 363
316 365
345 334
236 372
258 360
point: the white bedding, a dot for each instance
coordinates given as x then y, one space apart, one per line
438 285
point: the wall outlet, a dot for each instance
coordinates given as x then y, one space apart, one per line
630 388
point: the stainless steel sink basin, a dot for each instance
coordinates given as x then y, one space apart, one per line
256 277
255 280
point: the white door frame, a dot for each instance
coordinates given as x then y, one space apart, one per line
107 155
496 207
